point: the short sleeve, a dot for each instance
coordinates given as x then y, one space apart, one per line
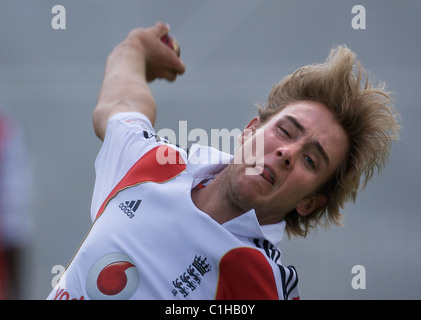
129 135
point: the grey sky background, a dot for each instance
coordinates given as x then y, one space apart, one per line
235 51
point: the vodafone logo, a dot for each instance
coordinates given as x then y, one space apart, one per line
112 277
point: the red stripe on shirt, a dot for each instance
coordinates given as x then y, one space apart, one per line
149 169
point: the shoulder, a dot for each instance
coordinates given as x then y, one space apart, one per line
129 121
245 273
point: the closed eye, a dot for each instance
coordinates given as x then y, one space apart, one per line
284 132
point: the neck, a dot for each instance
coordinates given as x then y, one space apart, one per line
214 201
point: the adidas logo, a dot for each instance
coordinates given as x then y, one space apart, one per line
130 207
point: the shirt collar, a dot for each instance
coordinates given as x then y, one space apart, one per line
247 225
205 163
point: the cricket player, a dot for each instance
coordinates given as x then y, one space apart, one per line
170 223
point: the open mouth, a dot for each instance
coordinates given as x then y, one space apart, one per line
268 175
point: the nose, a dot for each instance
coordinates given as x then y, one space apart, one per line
286 155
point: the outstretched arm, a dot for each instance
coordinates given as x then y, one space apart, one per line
140 58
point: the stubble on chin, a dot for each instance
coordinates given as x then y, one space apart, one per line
236 190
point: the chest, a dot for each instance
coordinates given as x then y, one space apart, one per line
173 248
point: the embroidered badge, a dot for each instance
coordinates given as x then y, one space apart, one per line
191 278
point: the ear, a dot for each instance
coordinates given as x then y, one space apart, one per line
253 124
309 205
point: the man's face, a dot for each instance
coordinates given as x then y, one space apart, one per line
303 146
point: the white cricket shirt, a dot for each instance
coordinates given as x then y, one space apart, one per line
149 241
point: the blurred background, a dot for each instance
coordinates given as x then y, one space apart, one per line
235 51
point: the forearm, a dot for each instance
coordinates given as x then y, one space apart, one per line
139 59
120 93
